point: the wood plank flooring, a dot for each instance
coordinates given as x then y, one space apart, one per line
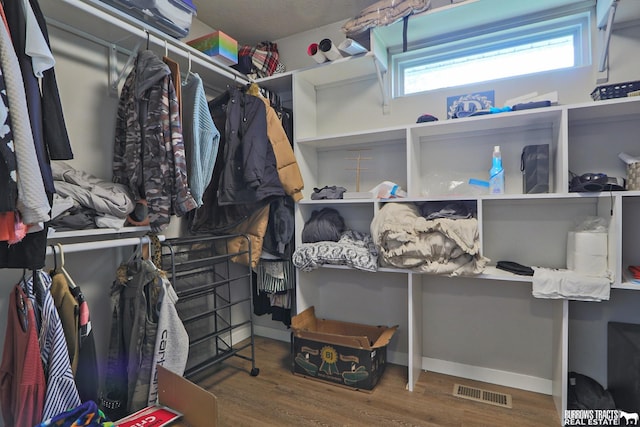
277 397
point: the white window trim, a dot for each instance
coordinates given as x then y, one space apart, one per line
448 46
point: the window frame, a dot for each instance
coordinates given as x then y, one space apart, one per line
498 36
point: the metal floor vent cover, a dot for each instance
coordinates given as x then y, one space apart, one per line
484 396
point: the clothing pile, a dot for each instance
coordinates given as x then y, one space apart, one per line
262 60
406 239
326 240
83 201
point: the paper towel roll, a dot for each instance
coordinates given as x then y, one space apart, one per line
587 253
590 265
571 250
590 243
330 50
314 52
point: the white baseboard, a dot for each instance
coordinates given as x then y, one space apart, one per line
488 375
477 373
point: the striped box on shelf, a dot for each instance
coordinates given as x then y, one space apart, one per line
217 45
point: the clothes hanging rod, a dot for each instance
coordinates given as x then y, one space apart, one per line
195 55
104 244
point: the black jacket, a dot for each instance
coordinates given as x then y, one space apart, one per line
245 176
250 173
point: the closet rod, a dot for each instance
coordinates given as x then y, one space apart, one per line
104 244
196 55
85 35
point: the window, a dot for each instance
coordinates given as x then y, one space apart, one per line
534 48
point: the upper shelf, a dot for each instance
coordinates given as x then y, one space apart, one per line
106 25
626 11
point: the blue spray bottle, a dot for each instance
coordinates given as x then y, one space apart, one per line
496 174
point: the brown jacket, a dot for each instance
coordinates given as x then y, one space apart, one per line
288 169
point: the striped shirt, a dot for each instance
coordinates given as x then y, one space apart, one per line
61 394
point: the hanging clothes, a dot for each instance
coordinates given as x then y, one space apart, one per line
32 202
86 375
149 150
24 27
24 97
68 310
61 393
201 136
8 161
232 202
273 289
22 381
172 341
134 317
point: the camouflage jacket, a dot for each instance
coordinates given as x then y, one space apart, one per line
149 151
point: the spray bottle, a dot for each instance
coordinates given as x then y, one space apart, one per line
496 174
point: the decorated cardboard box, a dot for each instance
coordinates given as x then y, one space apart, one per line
217 45
342 353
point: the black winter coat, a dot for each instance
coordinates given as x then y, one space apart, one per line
245 176
250 173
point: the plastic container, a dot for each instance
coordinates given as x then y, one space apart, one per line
173 17
496 174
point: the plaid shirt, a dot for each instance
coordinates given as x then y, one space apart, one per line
264 58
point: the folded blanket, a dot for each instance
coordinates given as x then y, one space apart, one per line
354 249
566 284
382 13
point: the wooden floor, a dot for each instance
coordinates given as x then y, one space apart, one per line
277 397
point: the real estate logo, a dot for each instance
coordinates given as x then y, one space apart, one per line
599 417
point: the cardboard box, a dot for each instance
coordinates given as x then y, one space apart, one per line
199 407
217 45
341 353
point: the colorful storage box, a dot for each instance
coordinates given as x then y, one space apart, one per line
341 353
172 17
217 45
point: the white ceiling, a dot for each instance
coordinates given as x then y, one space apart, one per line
253 21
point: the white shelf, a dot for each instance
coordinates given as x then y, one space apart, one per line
96 232
548 117
106 25
340 70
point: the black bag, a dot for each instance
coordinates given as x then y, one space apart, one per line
535 169
586 393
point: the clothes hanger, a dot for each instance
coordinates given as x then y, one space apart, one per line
186 77
70 281
55 257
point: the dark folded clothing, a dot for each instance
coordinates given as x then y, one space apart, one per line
515 268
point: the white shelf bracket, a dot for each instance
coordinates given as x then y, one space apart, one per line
116 77
382 81
605 38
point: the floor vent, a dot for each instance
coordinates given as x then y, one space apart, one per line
484 396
